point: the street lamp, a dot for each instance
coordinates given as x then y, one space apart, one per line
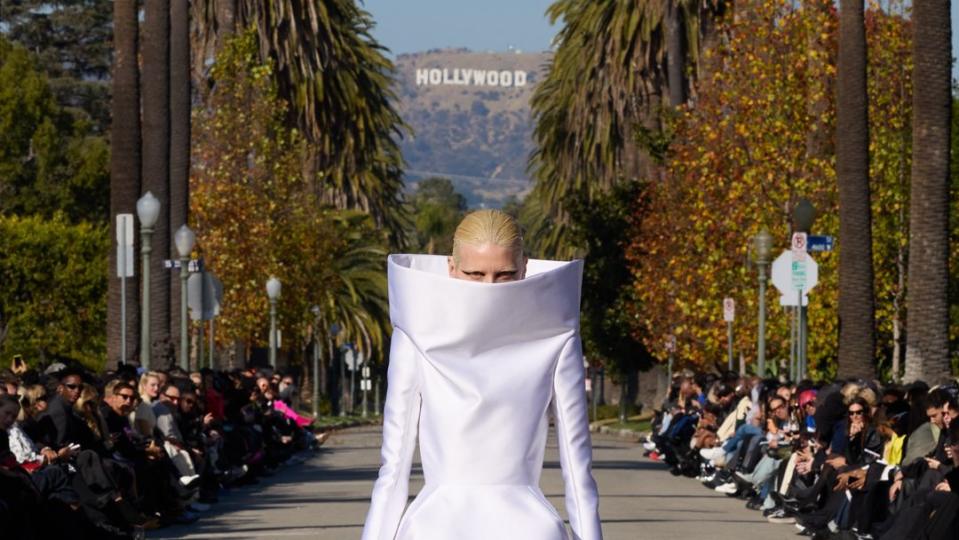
184 240
316 361
148 210
762 249
273 292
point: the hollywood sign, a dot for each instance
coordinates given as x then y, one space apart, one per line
469 77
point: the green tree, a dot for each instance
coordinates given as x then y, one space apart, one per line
52 291
49 160
927 324
437 209
72 42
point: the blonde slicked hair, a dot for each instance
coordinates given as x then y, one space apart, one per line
488 227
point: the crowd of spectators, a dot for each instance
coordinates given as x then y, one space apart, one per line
851 459
100 457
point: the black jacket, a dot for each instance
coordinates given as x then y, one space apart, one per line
60 425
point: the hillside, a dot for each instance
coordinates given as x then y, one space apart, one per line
470 116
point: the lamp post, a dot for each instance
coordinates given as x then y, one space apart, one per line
762 249
316 361
148 210
273 287
184 240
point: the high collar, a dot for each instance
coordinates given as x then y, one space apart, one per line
437 311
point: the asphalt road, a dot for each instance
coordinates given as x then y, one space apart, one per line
326 498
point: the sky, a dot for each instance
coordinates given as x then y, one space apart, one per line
417 25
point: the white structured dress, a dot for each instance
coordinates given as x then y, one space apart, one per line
475 372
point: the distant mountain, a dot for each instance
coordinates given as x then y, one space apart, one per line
470 115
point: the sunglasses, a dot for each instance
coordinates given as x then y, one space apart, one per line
174 399
857 412
73 386
126 397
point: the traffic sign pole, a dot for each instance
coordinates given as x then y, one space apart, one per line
729 343
729 315
123 292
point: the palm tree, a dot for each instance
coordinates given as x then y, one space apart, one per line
180 111
124 166
597 111
337 81
156 154
857 337
356 296
927 317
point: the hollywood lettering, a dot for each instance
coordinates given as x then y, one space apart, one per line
469 77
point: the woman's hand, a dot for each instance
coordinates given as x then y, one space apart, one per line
855 428
49 454
894 490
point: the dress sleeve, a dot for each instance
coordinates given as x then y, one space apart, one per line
575 448
22 447
400 423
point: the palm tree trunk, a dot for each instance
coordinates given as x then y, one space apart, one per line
675 54
179 134
857 337
156 160
124 170
927 314
225 19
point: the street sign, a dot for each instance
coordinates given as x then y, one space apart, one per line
799 275
196 265
125 257
671 343
782 274
350 358
799 243
729 309
790 300
819 243
204 294
366 384
365 372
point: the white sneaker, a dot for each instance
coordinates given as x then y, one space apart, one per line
187 480
198 507
729 488
649 445
712 454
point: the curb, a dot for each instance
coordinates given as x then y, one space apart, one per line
347 425
602 426
627 434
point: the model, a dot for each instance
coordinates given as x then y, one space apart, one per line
478 365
